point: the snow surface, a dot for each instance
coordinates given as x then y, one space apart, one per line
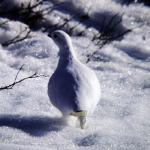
122 118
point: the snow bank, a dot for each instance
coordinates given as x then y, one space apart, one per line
11 29
121 121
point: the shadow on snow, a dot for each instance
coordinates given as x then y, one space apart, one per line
34 125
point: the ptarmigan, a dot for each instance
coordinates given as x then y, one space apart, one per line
73 88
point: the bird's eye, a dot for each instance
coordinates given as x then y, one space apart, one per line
55 36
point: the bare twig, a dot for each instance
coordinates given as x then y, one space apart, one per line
66 21
18 73
17 38
107 40
28 14
15 82
108 33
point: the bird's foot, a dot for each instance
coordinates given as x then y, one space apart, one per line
82 113
81 116
82 122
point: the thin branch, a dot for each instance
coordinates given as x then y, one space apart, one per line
66 20
15 82
27 14
17 38
18 73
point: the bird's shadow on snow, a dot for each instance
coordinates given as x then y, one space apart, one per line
34 125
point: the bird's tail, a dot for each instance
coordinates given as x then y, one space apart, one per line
81 116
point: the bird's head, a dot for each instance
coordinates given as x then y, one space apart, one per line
63 41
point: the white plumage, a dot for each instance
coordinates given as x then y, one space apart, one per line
73 88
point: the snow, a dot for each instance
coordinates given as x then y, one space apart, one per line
121 120
9 31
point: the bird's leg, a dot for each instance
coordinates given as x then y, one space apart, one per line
82 120
81 116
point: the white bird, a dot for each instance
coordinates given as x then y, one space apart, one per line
73 88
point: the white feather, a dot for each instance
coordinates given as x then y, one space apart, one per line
73 86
